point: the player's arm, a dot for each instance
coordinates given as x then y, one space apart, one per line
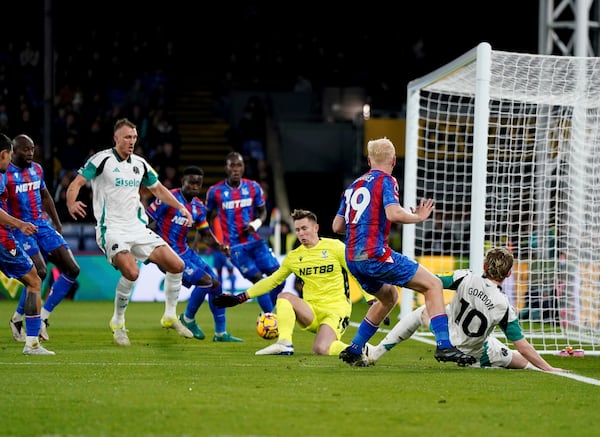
254 225
397 214
76 207
205 235
339 225
211 214
50 208
451 280
339 220
530 354
25 227
263 286
164 194
448 282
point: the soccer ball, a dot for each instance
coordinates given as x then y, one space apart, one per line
266 326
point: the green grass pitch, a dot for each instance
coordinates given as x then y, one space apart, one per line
164 385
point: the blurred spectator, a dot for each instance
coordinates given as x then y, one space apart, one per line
251 134
96 136
4 120
162 130
65 95
29 59
137 114
171 179
136 96
70 153
26 124
60 194
302 84
222 94
165 157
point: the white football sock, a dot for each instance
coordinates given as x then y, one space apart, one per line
122 295
172 287
402 330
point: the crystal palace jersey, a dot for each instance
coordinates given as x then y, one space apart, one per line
322 268
236 207
116 185
24 187
6 236
170 223
363 206
478 307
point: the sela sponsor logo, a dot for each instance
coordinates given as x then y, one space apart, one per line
122 182
28 186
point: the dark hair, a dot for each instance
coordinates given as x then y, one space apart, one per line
193 170
299 214
5 142
123 122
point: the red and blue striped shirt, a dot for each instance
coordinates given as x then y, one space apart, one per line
236 208
363 206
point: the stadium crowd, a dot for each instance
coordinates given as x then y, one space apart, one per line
101 74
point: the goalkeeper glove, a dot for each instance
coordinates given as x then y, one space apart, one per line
229 300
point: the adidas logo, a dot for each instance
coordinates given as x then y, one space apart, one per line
116 170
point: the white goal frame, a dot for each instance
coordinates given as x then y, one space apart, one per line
508 145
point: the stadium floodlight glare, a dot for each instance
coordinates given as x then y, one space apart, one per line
508 144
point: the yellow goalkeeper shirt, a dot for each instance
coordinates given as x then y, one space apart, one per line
322 268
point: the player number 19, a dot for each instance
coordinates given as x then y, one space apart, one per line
358 201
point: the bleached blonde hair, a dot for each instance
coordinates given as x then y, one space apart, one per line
380 150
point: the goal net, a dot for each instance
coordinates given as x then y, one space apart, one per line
508 144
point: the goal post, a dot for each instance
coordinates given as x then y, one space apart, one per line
508 145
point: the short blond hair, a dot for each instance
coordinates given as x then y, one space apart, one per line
123 122
498 263
380 150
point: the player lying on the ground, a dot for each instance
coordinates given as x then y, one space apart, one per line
478 306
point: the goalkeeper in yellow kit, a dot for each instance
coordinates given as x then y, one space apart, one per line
325 306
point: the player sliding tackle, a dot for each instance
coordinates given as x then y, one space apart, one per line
478 306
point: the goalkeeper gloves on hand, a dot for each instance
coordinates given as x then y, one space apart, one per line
229 300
